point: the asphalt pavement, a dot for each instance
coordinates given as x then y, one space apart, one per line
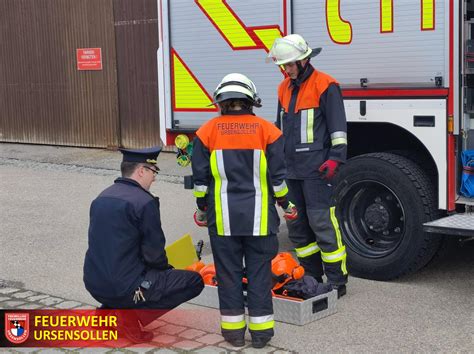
45 194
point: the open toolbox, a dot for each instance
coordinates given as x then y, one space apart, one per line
285 309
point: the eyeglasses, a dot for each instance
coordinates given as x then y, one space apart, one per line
155 172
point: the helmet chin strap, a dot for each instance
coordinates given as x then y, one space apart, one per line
301 68
301 71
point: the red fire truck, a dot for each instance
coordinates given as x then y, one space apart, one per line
406 69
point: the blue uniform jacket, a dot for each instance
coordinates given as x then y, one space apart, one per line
238 167
125 240
313 120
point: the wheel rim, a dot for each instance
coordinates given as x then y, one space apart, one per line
372 218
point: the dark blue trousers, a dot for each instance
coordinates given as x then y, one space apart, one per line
229 253
169 289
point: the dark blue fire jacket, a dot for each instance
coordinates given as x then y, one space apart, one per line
125 240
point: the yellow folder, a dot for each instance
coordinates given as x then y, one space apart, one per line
182 252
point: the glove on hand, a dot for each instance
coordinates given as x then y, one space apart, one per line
328 169
283 202
291 213
201 203
200 218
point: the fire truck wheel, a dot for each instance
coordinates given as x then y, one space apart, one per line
382 201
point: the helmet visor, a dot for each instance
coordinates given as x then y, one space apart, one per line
224 96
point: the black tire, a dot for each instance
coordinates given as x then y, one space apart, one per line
420 160
382 201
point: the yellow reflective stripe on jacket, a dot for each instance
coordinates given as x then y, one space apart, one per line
309 129
217 193
264 187
281 193
199 194
261 323
281 190
261 197
220 193
338 138
307 123
333 257
338 141
308 250
233 322
200 191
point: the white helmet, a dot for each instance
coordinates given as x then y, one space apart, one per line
291 48
237 86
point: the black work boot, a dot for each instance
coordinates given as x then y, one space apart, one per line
260 342
341 289
235 342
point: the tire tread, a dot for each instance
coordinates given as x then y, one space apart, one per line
428 196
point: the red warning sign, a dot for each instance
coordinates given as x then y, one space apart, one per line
89 58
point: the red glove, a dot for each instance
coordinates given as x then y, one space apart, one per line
200 218
328 169
291 213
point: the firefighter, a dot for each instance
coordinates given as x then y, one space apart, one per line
125 265
312 118
238 173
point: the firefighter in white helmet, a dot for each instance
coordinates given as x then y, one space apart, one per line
238 173
312 118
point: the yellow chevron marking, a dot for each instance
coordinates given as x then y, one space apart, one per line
227 23
267 36
188 93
